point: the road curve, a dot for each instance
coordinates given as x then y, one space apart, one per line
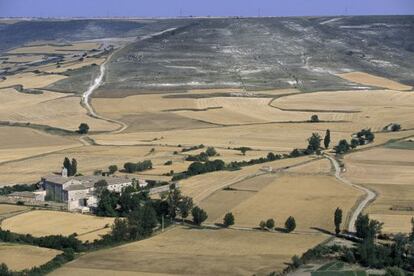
369 194
85 100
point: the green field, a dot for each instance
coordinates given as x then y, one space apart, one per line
337 269
400 145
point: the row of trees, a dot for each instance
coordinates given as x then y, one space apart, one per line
18 188
314 145
203 165
71 167
396 255
290 224
137 217
138 167
203 156
363 137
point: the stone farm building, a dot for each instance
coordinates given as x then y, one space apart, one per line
78 191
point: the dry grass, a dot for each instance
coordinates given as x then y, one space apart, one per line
215 252
44 223
19 257
368 79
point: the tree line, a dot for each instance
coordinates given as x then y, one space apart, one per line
130 167
137 216
395 254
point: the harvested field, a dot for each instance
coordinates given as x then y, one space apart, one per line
201 186
19 142
381 166
44 223
285 197
52 109
216 252
214 110
371 80
223 201
270 137
19 257
7 210
237 110
394 223
193 112
322 166
390 173
374 108
160 121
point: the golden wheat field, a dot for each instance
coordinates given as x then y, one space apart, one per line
216 252
44 223
18 257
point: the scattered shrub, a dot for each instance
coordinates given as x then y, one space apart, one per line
228 219
270 223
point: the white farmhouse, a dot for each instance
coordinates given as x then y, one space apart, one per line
78 191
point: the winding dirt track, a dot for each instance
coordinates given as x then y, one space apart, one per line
370 195
85 101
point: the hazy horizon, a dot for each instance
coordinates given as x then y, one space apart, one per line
214 8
